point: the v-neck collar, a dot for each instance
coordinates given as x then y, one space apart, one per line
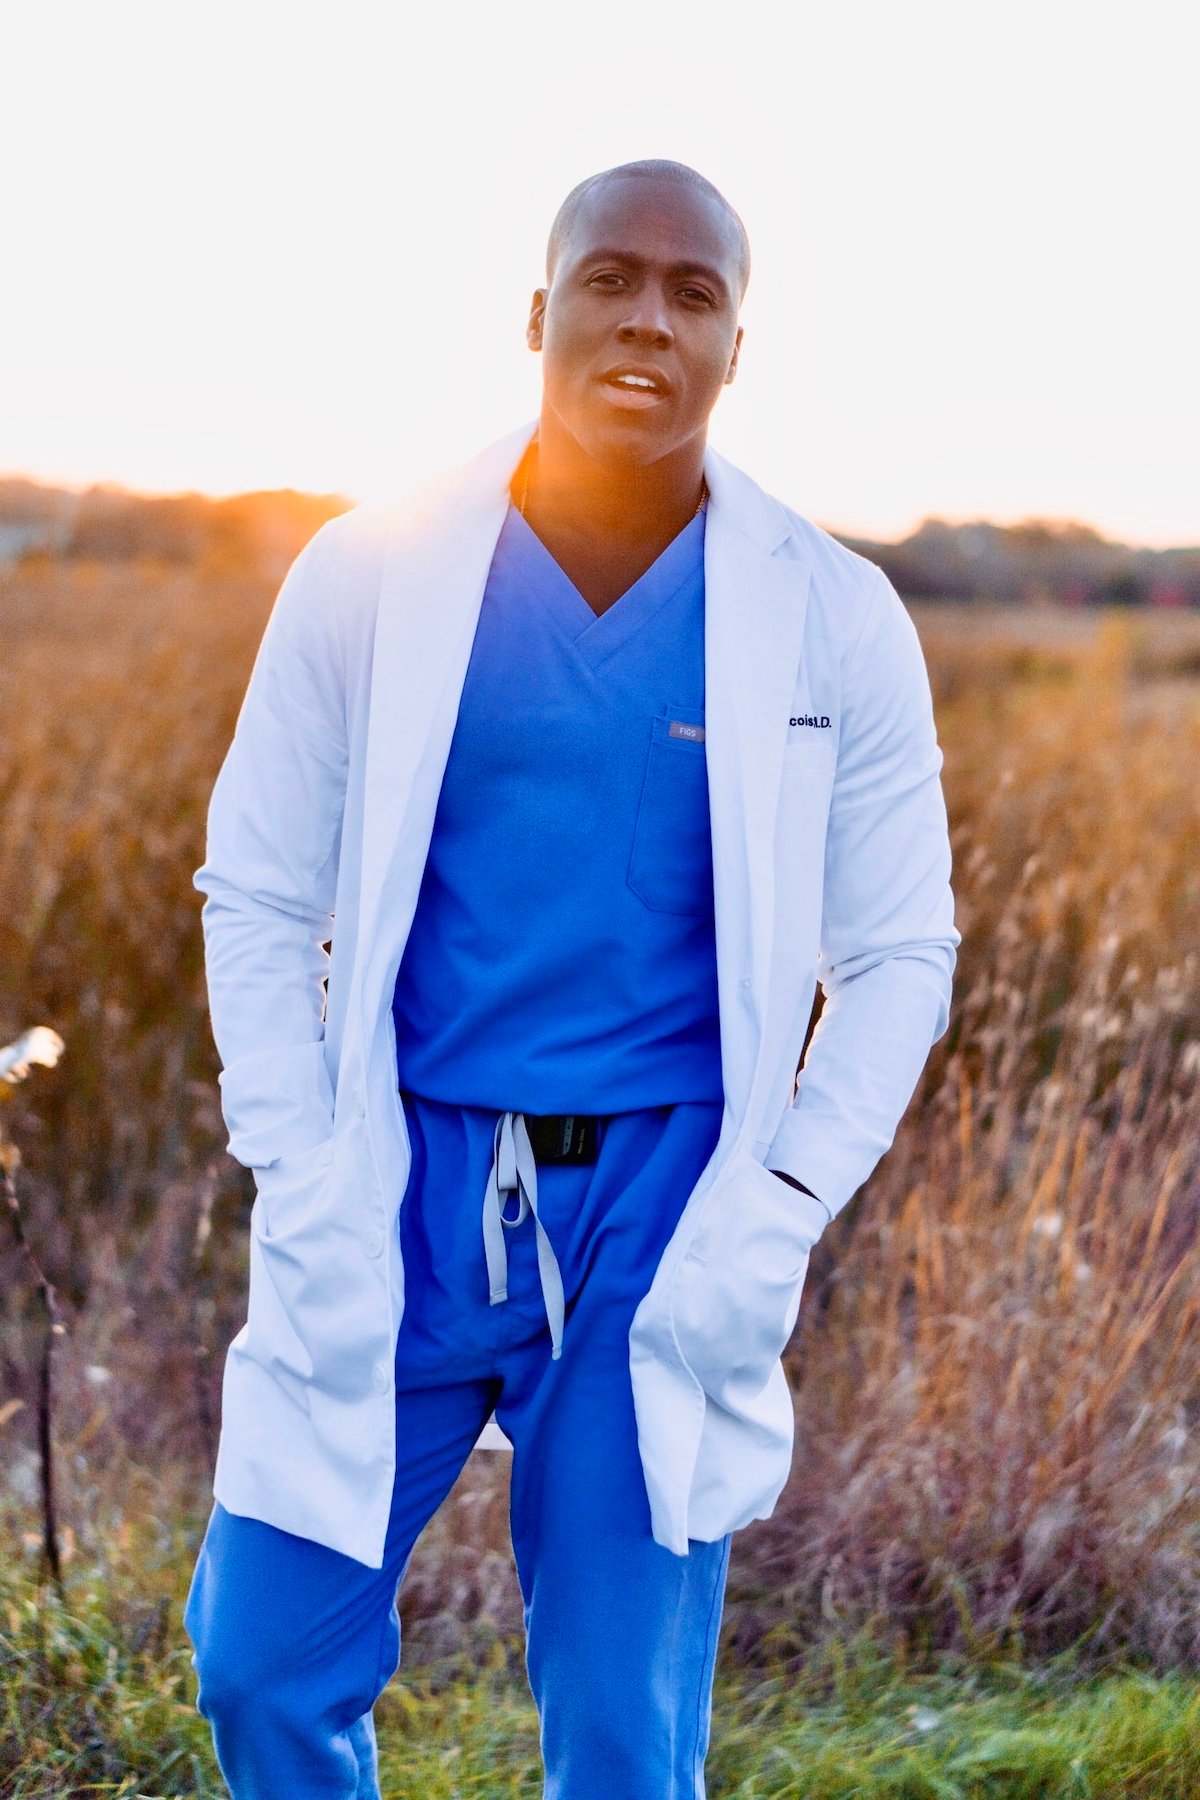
597 635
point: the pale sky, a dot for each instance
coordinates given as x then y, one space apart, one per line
261 245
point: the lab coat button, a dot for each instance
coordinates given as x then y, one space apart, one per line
373 1241
360 1106
379 1378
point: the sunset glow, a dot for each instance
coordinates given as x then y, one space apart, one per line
270 245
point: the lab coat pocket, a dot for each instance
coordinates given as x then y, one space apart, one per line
670 864
311 1280
290 1180
737 1294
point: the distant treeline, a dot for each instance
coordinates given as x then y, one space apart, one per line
263 530
1041 562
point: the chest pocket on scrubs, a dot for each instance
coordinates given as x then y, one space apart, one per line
670 865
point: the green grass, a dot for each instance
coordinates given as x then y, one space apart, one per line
97 1697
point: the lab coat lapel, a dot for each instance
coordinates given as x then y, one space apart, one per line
434 575
756 594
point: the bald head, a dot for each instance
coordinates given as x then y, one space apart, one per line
655 169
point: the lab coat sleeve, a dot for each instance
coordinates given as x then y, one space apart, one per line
888 940
270 870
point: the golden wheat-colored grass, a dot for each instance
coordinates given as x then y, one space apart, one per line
997 1365
998 1373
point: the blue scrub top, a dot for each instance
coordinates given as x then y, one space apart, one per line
562 955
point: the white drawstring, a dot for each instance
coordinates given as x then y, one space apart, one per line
514 1170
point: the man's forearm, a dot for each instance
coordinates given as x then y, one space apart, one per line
270 876
863 1064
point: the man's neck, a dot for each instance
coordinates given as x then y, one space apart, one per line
605 526
566 494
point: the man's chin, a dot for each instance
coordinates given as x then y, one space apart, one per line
625 444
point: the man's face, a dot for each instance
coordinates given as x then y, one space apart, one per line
638 329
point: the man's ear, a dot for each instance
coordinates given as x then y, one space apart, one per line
537 314
731 371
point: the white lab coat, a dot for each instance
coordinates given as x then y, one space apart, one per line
831 862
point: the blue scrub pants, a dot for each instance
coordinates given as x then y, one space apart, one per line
294 1642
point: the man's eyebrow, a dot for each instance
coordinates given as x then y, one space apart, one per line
686 267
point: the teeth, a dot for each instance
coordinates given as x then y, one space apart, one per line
642 381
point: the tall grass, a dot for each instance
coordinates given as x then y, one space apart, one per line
998 1371
997 1366
97 1696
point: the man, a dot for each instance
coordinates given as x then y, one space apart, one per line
587 766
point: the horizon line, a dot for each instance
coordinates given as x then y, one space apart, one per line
1023 522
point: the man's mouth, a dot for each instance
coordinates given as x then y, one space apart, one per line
633 387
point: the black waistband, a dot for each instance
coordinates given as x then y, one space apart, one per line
553 1137
564 1137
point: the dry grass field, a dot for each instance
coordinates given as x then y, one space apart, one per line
997 1365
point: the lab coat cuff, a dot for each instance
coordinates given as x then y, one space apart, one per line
277 1102
801 1149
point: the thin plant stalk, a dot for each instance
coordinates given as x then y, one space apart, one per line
45 1414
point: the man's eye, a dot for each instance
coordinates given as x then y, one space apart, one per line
606 277
691 293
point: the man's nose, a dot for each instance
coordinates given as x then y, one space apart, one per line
647 323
